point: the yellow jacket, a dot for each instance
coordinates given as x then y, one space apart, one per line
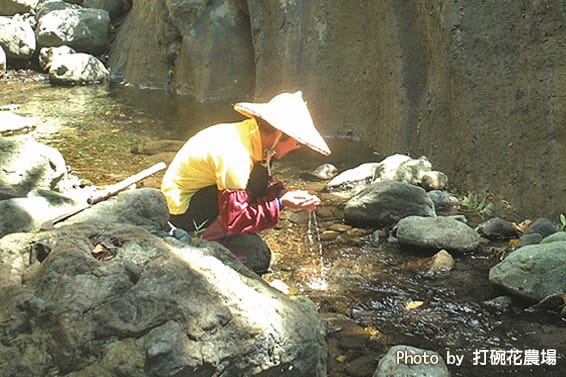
221 155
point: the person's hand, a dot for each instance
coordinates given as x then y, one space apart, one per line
299 199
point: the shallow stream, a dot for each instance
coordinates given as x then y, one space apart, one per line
370 293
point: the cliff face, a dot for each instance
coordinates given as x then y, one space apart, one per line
474 86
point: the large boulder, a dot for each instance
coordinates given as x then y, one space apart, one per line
115 300
79 68
534 271
384 203
436 233
84 29
28 165
17 38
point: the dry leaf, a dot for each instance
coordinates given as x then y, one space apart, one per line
413 305
341 358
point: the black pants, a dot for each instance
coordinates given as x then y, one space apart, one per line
203 208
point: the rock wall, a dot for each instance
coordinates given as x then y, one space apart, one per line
474 86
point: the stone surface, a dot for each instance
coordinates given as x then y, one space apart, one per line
79 68
157 307
407 361
384 203
435 233
533 272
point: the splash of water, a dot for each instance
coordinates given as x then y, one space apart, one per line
320 281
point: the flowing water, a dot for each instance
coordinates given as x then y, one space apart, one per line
370 293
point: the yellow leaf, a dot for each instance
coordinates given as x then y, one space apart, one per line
341 358
413 305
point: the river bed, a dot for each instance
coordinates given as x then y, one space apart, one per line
372 295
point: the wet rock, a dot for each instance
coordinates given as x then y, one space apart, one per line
444 202
434 233
189 310
409 361
17 38
325 171
533 271
497 229
384 203
498 305
441 262
80 68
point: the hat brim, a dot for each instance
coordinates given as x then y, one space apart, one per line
289 114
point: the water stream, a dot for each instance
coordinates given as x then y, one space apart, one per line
318 282
362 288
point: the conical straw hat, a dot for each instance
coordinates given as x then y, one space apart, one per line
288 113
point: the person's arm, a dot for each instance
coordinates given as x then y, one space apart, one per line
239 214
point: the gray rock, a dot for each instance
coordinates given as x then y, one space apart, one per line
360 175
144 207
84 29
434 233
251 250
544 227
158 307
533 272
407 361
77 68
554 237
29 213
402 168
28 165
47 54
17 38
384 203
497 229
444 202
537 231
